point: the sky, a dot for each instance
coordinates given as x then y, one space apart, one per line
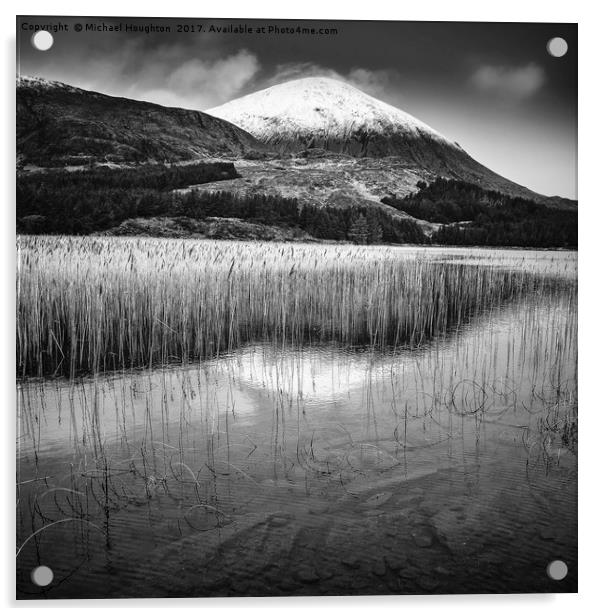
493 88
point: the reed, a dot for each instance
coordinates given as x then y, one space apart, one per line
92 305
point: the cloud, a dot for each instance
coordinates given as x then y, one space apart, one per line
201 84
507 82
298 70
375 82
195 75
198 78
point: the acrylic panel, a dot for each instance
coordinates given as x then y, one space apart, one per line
296 307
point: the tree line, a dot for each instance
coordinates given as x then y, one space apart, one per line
471 215
98 199
81 203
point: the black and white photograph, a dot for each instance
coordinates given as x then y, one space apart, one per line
296 307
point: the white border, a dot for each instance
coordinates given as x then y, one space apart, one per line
590 242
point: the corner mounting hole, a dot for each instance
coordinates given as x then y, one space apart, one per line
557 570
42 575
42 40
557 47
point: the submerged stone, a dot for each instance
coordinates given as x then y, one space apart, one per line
546 533
325 573
319 509
428 583
377 499
307 575
379 568
280 519
396 561
351 561
422 538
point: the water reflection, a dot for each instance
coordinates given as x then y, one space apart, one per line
447 467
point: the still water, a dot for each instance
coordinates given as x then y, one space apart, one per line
450 467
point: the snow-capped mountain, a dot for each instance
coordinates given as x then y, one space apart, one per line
317 115
354 148
327 113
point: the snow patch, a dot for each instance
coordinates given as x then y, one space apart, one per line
39 83
321 107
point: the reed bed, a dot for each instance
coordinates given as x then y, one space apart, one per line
91 305
485 365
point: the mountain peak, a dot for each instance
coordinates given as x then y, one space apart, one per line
28 81
328 113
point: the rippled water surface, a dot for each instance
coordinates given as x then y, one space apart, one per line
448 467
